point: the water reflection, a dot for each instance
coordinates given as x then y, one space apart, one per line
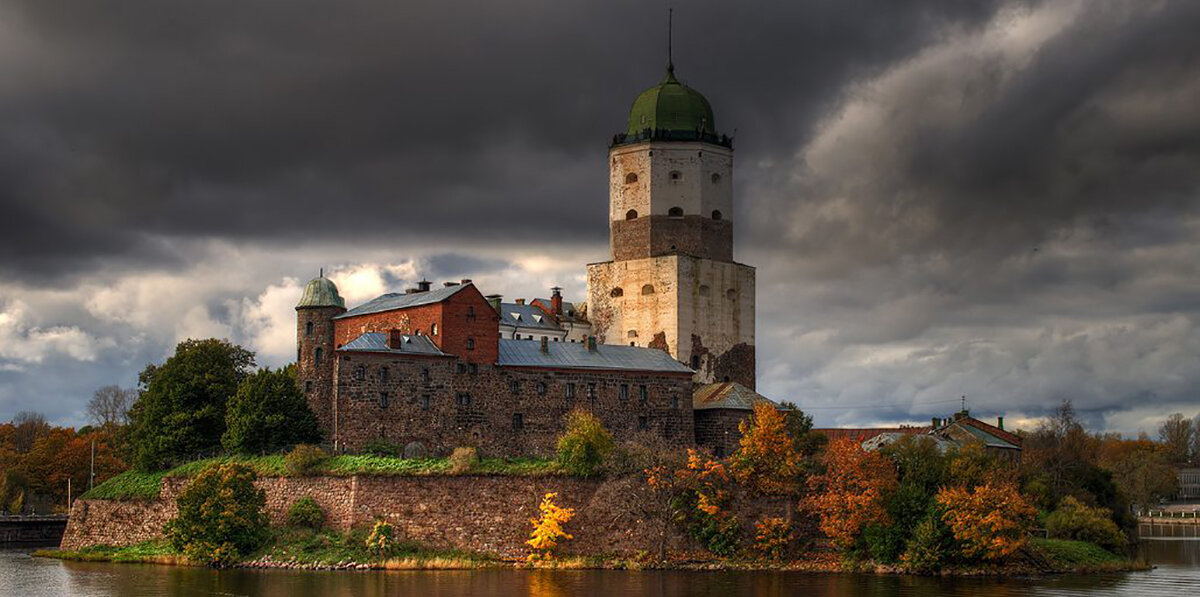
1178 574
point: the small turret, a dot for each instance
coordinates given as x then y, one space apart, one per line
315 345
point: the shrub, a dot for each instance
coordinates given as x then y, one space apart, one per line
220 516
306 512
989 521
767 458
703 505
304 460
380 541
931 547
267 413
772 537
1075 520
382 447
547 527
584 444
462 460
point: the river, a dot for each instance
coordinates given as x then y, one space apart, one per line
1177 574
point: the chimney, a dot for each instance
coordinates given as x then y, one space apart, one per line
494 301
935 422
521 301
423 285
466 280
1000 423
591 343
449 284
545 345
395 339
411 291
556 301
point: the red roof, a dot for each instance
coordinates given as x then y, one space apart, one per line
863 435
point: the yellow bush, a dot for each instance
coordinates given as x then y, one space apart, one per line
547 528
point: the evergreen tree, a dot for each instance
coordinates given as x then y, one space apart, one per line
268 413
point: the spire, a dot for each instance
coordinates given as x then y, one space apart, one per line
670 60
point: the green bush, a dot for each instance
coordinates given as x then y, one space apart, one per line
221 516
584 444
268 413
462 460
931 547
1075 520
306 512
304 460
382 447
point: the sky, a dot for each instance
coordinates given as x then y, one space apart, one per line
990 199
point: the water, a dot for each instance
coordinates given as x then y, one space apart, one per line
1178 574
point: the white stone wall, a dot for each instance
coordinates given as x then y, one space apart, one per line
656 192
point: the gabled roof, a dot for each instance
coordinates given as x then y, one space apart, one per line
864 434
727 395
378 342
396 300
570 312
569 355
526 316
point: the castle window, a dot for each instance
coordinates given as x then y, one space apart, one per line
675 212
629 215
464 399
716 178
731 294
514 386
570 390
425 375
471 312
716 214
675 402
470 344
695 361
318 354
643 395
624 392
632 334
591 391
383 374
473 368
308 386
643 424
616 292
518 421
630 178
360 373
433 329
308 327
462 368
648 289
425 402
703 290
675 176
383 400
541 388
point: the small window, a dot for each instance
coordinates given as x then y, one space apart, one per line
675 212
425 402
643 394
514 386
591 391
318 354
470 344
464 399
624 392
541 388
675 176
471 312
643 424
731 294
648 289
518 421
675 402
383 374
629 215
360 373
695 361
308 386
383 400
308 328
630 178
473 368
716 214
716 178
631 333
570 390
462 367
433 329
425 375
617 292
719 451
704 290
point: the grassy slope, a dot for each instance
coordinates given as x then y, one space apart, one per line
1080 556
134 485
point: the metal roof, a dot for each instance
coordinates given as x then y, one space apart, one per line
321 292
568 355
570 313
526 316
378 342
396 300
727 395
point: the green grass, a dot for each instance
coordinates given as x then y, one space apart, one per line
134 485
148 551
1078 555
325 548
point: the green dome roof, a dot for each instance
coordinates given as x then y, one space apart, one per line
671 107
321 292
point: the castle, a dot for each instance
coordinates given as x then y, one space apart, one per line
664 345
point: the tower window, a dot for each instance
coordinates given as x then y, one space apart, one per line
514 386
308 386
308 328
676 175
630 178
425 375
629 215
541 388
616 292
675 212
716 178
716 214
383 400
632 333
648 289
318 354
471 312
731 294
704 290
360 373
383 374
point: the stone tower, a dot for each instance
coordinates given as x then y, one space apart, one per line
314 345
672 282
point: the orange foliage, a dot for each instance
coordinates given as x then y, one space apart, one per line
767 457
849 495
547 528
772 536
990 521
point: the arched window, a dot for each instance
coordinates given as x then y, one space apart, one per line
308 327
318 354
716 214
433 329
703 290
630 178
631 214
675 212
716 178
675 176
616 292
648 289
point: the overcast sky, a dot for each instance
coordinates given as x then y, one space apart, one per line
990 199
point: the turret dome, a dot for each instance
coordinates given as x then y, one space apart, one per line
671 108
321 292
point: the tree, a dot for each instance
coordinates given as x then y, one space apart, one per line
1140 469
767 458
584 444
1058 456
181 410
850 494
268 413
109 406
220 517
28 426
990 521
548 527
1177 434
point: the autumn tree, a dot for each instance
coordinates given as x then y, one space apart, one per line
850 494
548 527
1140 468
766 458
989 521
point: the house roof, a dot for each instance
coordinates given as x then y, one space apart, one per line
568 355
727 395
570 312
526 316
378 342
396 300
864 434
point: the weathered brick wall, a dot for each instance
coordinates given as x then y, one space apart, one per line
717 429
693 235
476 513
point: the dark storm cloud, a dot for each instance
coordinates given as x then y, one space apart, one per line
249 121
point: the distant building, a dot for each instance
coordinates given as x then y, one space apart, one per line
1189 483
955 431
554 319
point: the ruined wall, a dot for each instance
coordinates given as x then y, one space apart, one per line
476 513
